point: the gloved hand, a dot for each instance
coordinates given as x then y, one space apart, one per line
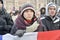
33 27
20 33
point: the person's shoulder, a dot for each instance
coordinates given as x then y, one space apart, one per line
42 18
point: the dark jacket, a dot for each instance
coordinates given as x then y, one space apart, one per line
51 24
6 22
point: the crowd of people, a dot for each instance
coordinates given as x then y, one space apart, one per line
28 20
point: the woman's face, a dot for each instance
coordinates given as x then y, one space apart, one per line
28 14
52 11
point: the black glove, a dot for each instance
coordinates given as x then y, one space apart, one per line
20 33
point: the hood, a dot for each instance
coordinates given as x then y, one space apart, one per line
25 7
49 5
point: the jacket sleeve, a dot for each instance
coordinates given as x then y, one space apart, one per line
43 27
17 32
44 24
2 24
14 29
9 22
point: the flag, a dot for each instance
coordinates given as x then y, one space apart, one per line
47 35
7 37
0 37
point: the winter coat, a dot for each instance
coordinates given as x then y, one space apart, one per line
51 24
6 22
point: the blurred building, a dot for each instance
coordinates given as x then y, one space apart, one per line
54 1
15 4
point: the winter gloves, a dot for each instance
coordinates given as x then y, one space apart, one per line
20 33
